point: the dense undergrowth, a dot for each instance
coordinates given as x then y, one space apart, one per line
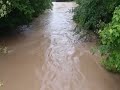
19 12
110 39
103 18
62 0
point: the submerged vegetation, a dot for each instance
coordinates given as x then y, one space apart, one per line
103 18
1 84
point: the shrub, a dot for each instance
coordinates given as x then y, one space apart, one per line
110 39
90 13
112 63
62 0
4 8
17 12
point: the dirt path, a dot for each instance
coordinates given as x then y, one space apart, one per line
48 56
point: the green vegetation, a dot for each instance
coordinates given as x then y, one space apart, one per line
103 18
19 12
91 13
110 38
62 0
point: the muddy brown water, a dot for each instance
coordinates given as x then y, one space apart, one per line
48 56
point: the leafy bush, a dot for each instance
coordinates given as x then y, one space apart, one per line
105 15
17 12
110 39
90 13
4 8
112 63
40 5
62 0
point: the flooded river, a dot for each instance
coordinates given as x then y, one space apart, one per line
47 55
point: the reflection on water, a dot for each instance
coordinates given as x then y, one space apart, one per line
48 56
